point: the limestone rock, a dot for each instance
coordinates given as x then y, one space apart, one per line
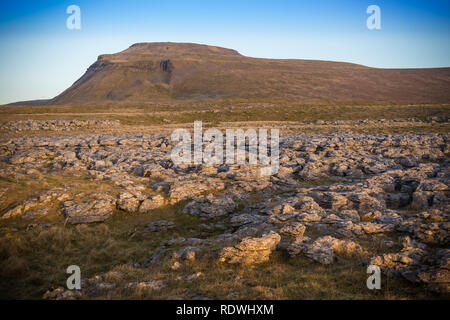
251 250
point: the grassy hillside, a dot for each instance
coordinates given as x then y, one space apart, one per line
150 72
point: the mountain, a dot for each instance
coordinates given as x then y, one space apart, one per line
155 71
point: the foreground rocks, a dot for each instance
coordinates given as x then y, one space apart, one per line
337 198
94 210
251 250
326 250
417 264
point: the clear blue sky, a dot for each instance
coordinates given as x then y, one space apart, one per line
40 57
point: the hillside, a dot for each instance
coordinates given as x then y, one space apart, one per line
159 71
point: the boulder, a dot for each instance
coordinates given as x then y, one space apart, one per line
251 251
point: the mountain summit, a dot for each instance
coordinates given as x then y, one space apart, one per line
153 71
177 49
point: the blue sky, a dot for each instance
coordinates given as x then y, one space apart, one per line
40 57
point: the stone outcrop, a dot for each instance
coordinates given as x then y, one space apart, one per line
251 250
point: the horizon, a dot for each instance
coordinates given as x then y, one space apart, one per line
41 57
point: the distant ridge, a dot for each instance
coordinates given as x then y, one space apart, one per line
147 72
41 102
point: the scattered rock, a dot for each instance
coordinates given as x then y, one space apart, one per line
326 249
251 250
158 226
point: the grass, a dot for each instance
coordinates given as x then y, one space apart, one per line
233 110
280 278
34 260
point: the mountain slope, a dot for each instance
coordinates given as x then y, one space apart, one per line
152 71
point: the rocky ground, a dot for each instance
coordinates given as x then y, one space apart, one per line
55 125
339 199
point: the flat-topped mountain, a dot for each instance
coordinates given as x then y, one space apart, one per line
177 49
148 72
